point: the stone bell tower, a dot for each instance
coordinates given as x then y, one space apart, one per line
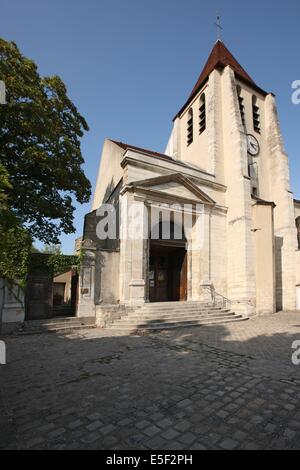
229 128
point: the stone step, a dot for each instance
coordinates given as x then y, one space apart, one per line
58 321
171 325
52 325
176 304
62 329
133 321
178 308
187 311
178 316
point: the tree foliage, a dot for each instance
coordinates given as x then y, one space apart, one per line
15 247
53 263
40 131
5 186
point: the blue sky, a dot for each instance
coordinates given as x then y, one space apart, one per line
129 65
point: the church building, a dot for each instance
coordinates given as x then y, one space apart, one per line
225 162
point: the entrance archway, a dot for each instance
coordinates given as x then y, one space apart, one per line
167 275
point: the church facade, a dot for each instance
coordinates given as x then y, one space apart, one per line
223 180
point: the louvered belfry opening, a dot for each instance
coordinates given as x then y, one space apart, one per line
190 127
202 114
256 114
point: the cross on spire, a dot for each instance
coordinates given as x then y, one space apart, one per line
219 27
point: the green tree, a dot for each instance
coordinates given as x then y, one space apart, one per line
4 187
40 131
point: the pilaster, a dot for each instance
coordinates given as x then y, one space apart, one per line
240 249
284 217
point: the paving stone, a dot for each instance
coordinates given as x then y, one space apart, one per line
156 442
151 431
211 388
229 444
91 437
170 434
184 403
143 424
197 446
251 446
164 423
182 426
94 416
109 441
46 427
187 438
35 441
107 429
56 433
75 424
222 414
289 434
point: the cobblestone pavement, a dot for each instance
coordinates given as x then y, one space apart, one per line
217 387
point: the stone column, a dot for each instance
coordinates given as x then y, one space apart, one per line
133 249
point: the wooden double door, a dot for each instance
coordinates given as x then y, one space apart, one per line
167 274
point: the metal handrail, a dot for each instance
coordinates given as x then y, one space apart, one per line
214 294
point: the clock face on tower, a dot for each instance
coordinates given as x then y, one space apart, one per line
252 145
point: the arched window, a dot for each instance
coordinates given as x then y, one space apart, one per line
298 231
256 114
202 114
190 127
241 104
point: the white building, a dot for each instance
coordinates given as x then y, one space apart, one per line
225 159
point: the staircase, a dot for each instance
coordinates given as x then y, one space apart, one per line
165 315
55 325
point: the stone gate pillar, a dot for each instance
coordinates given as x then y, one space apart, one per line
86 303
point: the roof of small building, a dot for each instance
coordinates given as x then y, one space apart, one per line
159 155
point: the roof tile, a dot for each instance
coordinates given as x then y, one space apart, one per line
220 56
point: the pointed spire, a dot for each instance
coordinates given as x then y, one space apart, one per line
220 56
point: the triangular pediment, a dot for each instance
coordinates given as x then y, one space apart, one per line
175 185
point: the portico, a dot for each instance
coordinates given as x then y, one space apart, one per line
165 240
